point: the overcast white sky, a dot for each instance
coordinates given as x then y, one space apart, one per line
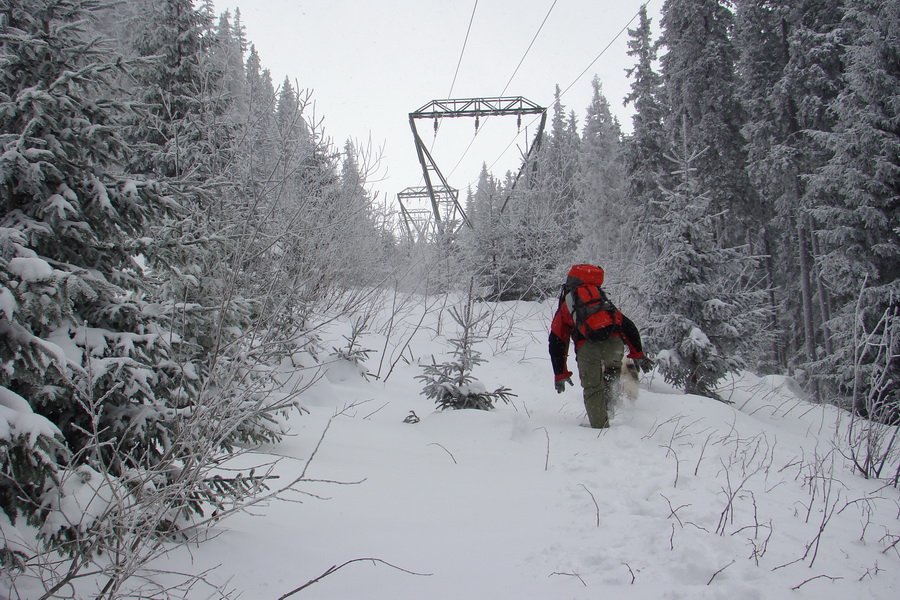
369 63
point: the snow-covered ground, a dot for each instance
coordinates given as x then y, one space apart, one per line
684 497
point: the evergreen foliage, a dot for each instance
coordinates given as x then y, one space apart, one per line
645 147
699 75
451 384
141 246
860 215
703 320
790 69
603 212
77 328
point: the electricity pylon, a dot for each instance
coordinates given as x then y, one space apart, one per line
446 222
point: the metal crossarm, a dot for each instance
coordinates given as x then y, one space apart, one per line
435 182
477 107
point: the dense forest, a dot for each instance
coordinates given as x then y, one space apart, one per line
174 221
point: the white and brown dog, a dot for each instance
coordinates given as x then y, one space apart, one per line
629 379
626 385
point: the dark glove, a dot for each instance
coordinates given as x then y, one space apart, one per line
644 364
561 384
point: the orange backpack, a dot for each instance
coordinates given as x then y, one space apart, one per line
596 318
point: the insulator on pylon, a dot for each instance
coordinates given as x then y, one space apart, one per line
519 122
435 125
476 122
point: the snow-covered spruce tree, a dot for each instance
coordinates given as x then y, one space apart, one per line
96 372
557 168
700 82
706 317
76 330
601 207
645 165
790 70
451 384
645 147
860 212
174 39
488 244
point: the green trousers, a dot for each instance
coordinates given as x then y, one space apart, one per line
599 367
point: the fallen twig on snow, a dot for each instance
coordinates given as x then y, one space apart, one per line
445 450
719 571
797 587
630 571
596 506
334 568
547 458
569 575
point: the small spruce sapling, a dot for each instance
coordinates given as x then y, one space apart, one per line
354 353
450 384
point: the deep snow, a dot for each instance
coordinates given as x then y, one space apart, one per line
505 504
684 497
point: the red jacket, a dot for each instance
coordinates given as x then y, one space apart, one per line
562 329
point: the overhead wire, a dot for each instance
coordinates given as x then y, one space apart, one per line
518 66
463 50
527 50
607 47
580 75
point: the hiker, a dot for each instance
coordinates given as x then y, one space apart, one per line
600 333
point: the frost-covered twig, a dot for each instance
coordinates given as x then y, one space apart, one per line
573 574
630 571
829 577
547 455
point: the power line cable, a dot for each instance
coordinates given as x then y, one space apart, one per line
463 50
607 47
455 74
602 52
511 77
527 50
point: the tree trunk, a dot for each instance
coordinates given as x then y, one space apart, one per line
824 304
809 330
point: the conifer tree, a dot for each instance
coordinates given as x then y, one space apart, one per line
705 319
172 139
261 140
558 160
485 239
451 384
645 147
860 212
602 210
698 70
82 345
790 70
226 61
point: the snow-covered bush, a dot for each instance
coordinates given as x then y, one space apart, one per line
109 373
353 353
708 315
451 384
